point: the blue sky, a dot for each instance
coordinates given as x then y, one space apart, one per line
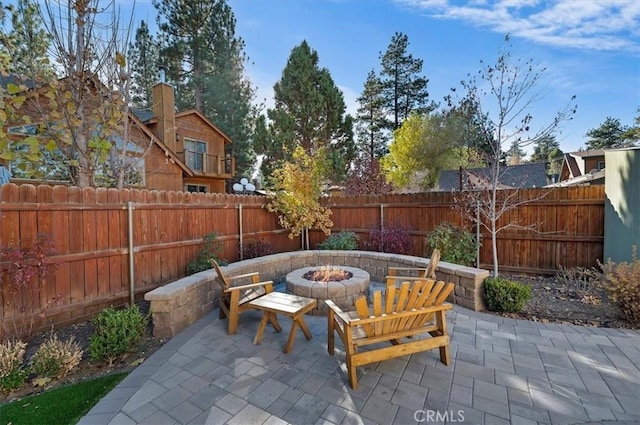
591 48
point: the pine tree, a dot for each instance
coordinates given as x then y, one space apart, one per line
609 135
404 90
27 42
144 60
371 120
547 149
229 94
309 112
515 155
206 64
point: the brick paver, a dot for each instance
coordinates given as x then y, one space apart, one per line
502 371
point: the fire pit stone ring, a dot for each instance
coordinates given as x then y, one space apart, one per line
343 292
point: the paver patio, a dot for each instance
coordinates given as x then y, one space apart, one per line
503 371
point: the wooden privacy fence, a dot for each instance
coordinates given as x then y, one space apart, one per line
90 232
568 225
93 229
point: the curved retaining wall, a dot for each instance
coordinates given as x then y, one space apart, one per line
180 303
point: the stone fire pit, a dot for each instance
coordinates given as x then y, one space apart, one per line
343 292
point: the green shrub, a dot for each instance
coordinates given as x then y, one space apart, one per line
340 241
505 295
211 250
13 380
55 358
622 283
12 375
116 332
456 245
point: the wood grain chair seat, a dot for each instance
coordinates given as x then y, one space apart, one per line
235 299
417 309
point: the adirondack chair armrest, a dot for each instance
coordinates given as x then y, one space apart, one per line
338 311
240 276
249 286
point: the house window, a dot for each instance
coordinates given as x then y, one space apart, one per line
600 165
197 188
195 154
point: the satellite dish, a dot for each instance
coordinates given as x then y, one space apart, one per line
237 187
244 181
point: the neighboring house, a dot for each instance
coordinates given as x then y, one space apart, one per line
576 164
197 142
511 177
181 151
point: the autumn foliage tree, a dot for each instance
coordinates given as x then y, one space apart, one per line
296 192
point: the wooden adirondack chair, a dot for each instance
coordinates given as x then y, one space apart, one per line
428 272
403 319
235 299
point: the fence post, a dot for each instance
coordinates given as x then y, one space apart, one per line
478 233
381 227
132 289
240 231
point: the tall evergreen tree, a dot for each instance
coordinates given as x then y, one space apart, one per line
371 120
229 94
188 45
609 135
206 63
404 90
547 149
27 42
144 61
515 154
309 112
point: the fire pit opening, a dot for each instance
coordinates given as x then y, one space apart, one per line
343 286
328 274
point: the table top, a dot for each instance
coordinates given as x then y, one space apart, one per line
280 302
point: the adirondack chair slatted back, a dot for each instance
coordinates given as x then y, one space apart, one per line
428 272
222 279
411 297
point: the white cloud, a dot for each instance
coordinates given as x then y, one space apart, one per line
592 25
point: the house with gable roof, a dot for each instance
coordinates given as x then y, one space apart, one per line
168 150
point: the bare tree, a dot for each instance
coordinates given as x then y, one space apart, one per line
504 93
91 105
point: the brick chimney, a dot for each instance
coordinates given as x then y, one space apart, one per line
164 110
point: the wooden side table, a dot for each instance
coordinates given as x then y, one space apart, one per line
289 305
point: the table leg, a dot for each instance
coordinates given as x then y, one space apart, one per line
292 336
263 324
273 318
303 326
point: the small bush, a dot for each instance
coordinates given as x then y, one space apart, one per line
505 295
581 282
394 239
456 245
212 249
256 249
622 283
340 241
14 380
55 358
116 332
12 375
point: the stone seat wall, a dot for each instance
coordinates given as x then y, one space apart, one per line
179 304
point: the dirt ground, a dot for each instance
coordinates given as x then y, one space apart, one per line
551 301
